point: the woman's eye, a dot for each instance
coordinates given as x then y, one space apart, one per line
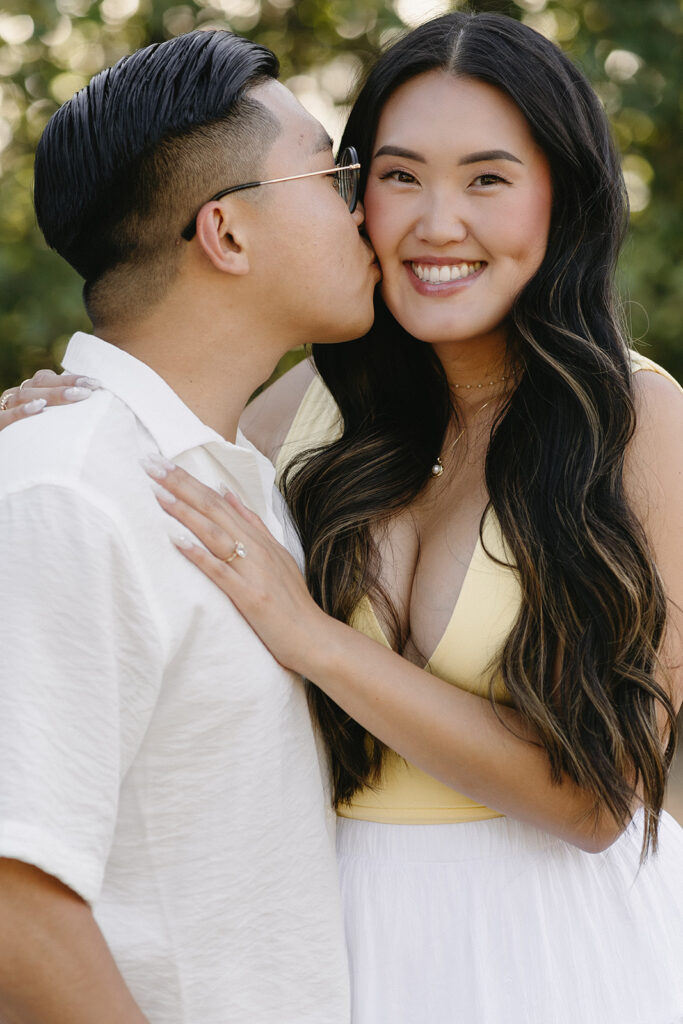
489 179
404 177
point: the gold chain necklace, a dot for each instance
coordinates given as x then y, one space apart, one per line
437 468
486 383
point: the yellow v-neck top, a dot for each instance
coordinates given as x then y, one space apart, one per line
483 616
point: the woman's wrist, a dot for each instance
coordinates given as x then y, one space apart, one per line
324 648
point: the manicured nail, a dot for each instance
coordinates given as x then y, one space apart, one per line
87 382
77 394
236 498
162 494
156 466
37 405
151 469
182 541
226 491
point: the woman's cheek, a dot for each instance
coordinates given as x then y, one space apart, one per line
377 218
534 218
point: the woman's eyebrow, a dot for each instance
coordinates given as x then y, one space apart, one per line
488 154
409 154
471 158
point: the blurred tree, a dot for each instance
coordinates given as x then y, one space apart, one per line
630 50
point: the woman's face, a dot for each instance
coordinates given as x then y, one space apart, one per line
457 207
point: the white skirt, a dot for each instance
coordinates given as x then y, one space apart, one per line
495 922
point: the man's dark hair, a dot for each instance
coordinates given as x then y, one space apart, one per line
128 160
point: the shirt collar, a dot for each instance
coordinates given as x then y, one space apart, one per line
172 425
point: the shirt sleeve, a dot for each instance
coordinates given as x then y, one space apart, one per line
80 669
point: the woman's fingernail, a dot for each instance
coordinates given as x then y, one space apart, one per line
162 494
37 405
156 465
227 492
151 469
87 382
182 541
77 394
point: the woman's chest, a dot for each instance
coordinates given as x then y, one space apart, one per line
426 555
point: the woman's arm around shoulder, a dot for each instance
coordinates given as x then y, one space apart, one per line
267 419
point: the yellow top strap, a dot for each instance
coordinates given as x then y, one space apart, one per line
641 362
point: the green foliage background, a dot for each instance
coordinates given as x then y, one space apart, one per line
631 50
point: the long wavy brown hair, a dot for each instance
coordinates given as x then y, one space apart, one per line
581 660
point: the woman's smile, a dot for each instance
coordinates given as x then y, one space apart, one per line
441 276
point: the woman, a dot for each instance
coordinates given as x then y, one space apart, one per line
498 502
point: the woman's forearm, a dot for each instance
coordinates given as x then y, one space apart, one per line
456 736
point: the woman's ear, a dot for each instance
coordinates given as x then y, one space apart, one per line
222 236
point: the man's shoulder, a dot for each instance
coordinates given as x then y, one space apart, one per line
68 444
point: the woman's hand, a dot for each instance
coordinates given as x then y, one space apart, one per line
42 389
242 557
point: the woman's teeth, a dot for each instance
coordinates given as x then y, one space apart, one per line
440 275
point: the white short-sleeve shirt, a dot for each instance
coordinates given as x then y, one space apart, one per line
153 755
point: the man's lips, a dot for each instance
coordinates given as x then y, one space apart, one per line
372 256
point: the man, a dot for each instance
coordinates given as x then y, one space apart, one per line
165 840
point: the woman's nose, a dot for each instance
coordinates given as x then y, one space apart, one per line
441 222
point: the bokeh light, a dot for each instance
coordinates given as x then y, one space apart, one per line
414 12
16 29
622 65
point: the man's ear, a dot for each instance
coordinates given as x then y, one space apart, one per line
221 233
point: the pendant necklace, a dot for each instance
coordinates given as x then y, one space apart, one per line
437 468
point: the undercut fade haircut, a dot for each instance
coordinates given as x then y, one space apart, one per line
128 160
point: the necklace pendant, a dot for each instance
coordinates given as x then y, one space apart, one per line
437 468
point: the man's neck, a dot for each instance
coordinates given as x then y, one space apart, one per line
213 374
